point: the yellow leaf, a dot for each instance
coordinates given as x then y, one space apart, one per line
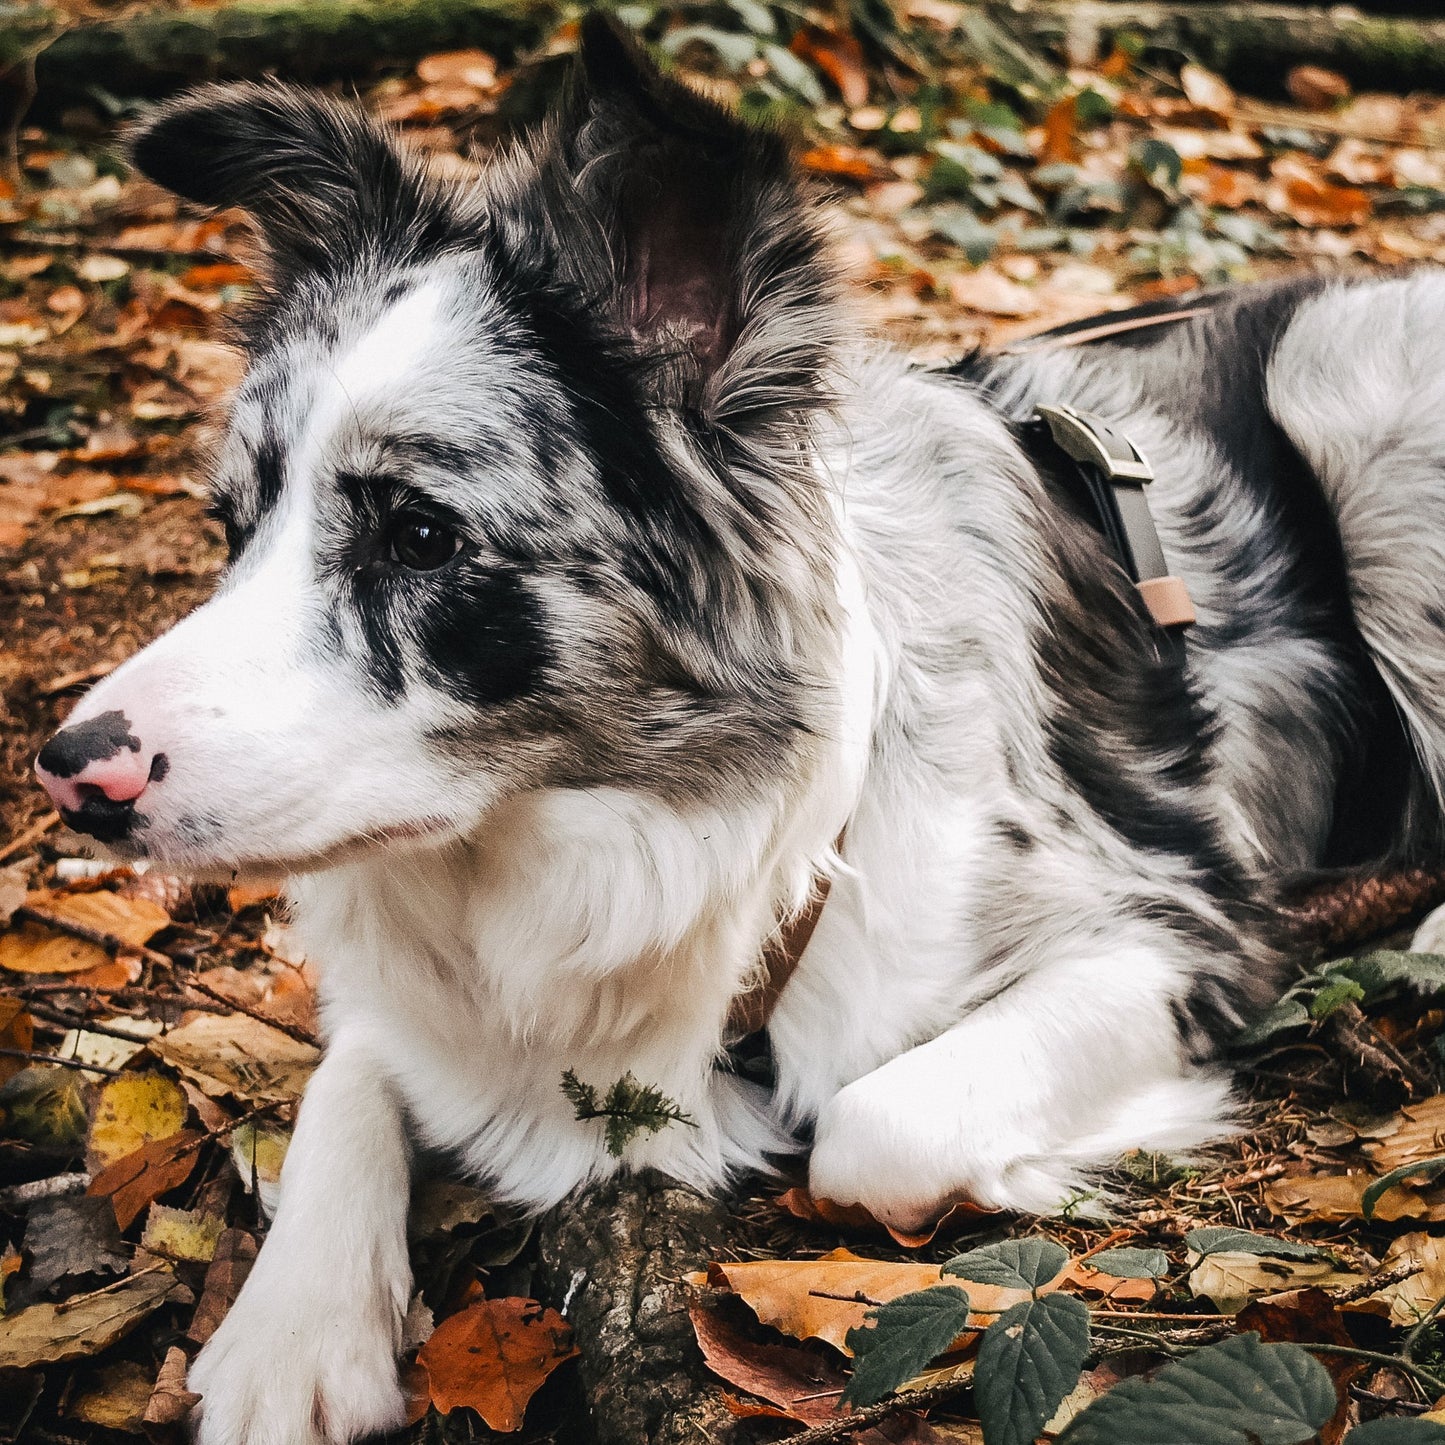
33 948
114 1397
132 1110
48 1333
182 1234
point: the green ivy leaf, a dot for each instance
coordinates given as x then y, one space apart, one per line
1012 1263
1291 1012
1382 969
1030 1358
1421 1169
906 1334
1397 1432
1242 1241
1238 1392
1335 995
1131 1263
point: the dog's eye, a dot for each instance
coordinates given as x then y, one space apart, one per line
421 543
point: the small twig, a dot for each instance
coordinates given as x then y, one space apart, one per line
67 680
111 942
1407 1348
1156 1315
116 1284
292 1031
850 1424
1398 1362
35 1058
1384 1280
1369 1054
856 1298
79 1021
58 1186
1108 1242
33 834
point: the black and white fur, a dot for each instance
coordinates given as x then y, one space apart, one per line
733 582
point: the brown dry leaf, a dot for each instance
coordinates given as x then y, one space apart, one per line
1316 88
803 1205
1061 132
33 948
1298 190
1080 1278
493 1356
800 1384
1205 89
474 68
845 162
1212 145
1231 1279
130 1111
1331 1198
114 1397
988 291
235 1054
1309 1317
1406 1302
839 57
248 893
148 1172
17 1031
1420 1136
813 1298
235 1254
170 1402
48 1334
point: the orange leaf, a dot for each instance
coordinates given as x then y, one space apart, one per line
213 277
845 161
16 1032
1061 132
802 1205
1299 192
839 57
143 1175
493 1356
799 1384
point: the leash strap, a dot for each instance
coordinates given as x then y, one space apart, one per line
1115 474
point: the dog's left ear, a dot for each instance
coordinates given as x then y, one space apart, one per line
711 252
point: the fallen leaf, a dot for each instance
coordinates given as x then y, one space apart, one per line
17 1031
802 1204
1420 1136
1331 1198
239 1055
845 162
839 56
33 948
142 1176
49 1334
493 1356
46 1106
132 1110
1316 88
1297 190
1205 89
459 67
182 1234
989 291
1061 132
170 1402
1231 1279
1408 1301
105 1050
70 1238
235 1254
799 1383
114 1397
814 1298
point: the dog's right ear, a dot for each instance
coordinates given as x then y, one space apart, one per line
321 179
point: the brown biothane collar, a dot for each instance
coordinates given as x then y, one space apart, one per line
751 1011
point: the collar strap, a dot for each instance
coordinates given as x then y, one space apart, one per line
781 954
1115 474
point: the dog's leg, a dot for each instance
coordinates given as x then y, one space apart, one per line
308 1352
1058 1074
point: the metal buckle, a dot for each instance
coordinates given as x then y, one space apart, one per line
1091 440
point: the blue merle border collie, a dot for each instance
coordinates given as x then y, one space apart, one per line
597 587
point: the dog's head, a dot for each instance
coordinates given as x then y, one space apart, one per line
517 486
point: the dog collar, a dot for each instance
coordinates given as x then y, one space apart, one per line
1115 475
751 1011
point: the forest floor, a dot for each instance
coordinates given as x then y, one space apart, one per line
977 203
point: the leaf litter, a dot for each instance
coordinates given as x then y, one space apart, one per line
984 192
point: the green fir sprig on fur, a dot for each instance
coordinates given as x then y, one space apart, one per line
630 1108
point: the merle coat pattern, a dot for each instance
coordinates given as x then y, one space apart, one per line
593 575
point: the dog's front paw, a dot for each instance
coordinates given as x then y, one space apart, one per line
287 1368
906 1160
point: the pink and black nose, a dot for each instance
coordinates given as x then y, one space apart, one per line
96 772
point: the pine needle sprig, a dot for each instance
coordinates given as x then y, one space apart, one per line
629 1107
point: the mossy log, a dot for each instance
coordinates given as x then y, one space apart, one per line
615 1256
154 52
1252 45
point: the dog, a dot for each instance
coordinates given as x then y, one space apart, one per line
600 595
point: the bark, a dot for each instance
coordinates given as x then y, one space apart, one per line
158 51
1252 45
615 1256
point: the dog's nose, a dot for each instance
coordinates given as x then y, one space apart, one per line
95 771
